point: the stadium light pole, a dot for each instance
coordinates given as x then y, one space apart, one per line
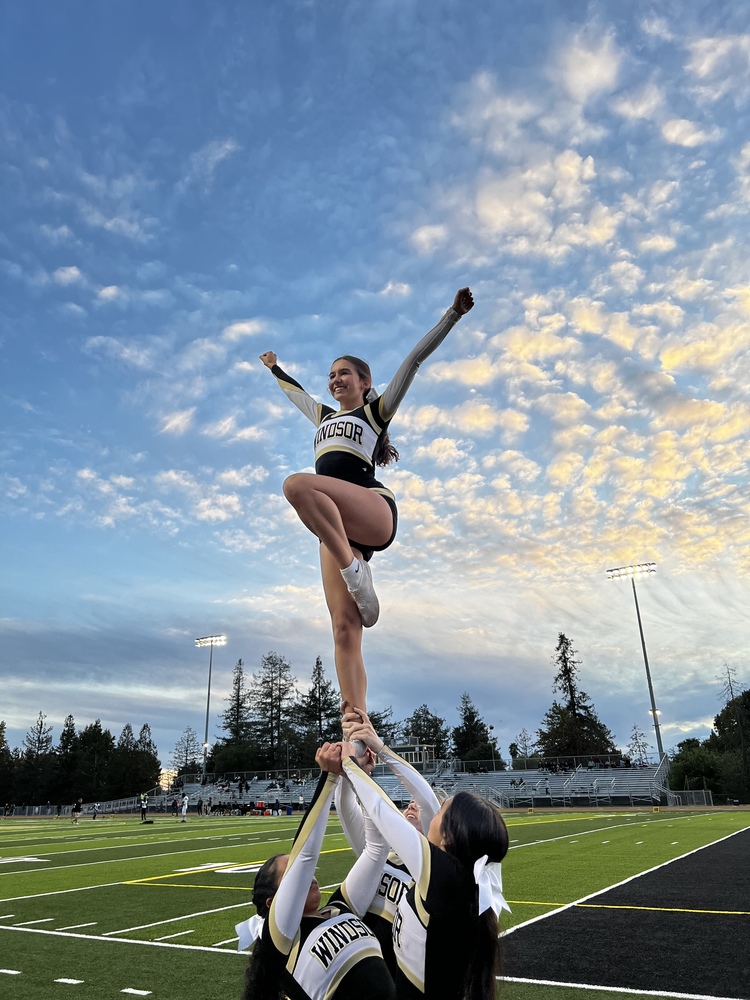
641 570
210 641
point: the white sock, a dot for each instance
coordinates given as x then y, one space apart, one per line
352 574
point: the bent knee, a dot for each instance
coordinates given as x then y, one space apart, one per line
297 486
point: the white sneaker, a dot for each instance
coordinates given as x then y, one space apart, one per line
365 597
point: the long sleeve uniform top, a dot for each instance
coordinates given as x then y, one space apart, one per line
346 440
334 953
436 920
396 879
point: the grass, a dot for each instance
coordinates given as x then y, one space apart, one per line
121 906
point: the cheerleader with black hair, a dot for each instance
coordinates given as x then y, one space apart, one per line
445 933
303 950
350 511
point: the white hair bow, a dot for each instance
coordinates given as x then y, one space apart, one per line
489 878
248 931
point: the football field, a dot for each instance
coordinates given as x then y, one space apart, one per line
605 903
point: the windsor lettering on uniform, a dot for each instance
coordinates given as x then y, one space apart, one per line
339 428
336 938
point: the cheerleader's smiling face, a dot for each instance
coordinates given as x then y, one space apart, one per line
346 385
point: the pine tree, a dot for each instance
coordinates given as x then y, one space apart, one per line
638 746
235 720
429 730
95 749
572 728
187 756
271 699
317 718
37 769
471 737
7 768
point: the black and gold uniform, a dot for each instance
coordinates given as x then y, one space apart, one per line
437 917
396 880
346 441
334 953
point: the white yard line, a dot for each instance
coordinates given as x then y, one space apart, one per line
39 920
172 920
228 941
71 982
615 989
616 885
114 940
178 934
76 927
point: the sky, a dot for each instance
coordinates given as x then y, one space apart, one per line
186 186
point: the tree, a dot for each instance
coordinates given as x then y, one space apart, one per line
37 763
147 766
639 746
271 698
428 729
572 728
7 767
95 749
124 760
235 720
317 717
471 737
385 725
524 745
187 756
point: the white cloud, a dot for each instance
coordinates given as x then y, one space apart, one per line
643 103
242 328
177 422
682 132
110 293
395 288
130 354
67 275
203 163
429 238
589 68
657 243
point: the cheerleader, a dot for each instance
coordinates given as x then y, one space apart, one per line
396 879
303 950
445 932
342 503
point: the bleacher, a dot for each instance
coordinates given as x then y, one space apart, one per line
537 787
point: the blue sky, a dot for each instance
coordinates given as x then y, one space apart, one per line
186 186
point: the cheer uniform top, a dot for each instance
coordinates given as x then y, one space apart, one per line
436 922
334 954
396 880
347 440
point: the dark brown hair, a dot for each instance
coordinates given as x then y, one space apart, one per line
472 827
385 453
262 980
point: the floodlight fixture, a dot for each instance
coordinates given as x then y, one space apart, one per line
210 641
633 572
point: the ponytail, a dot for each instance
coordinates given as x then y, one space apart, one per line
262 980
471 828
385 453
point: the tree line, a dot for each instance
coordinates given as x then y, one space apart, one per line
88 764
271 724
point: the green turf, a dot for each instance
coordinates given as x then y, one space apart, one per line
161 901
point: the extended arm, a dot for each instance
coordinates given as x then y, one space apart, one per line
350 814
289 900
399 384
415 784
291 388
411 846
361 884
